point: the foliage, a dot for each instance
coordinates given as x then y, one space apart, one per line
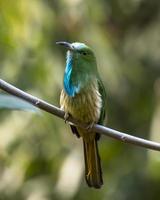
39 157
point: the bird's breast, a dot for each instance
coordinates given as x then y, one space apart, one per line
84 106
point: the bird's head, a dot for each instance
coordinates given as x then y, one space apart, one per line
81 67
81 56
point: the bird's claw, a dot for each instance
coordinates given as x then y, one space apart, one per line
90 126
89 173
66 116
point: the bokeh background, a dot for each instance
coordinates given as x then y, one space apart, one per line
39 157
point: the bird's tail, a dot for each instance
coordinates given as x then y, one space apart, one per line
93 172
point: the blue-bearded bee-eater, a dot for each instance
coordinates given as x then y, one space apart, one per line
83 97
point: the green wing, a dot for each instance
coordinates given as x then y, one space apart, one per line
103 95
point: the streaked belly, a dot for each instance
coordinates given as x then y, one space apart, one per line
84 106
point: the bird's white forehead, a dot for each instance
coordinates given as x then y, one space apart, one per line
78 45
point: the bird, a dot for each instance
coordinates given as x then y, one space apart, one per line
83 97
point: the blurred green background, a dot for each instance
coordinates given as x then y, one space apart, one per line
39 157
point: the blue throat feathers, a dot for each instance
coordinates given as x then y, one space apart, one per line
70 88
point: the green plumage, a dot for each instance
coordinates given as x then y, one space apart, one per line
83 97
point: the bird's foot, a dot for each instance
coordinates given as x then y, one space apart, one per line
66 116
87 175
90 126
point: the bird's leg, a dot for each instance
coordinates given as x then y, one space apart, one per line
66 116
89 173
90 126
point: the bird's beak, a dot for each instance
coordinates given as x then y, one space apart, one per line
66 44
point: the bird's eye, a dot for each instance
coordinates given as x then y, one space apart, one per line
83 53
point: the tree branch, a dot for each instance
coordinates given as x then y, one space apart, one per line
59 113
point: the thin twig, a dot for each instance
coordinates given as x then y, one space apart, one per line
59 113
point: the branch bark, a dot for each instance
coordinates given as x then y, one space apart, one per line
59 113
